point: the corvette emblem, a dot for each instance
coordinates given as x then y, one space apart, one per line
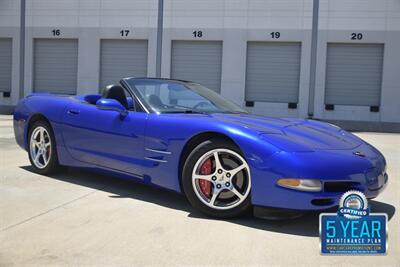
358 153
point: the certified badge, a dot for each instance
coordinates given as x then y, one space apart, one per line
353 205
353 229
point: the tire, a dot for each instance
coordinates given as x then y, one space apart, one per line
47 161
229 195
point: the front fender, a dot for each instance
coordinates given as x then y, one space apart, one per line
170 133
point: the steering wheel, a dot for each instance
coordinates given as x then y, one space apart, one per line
200 104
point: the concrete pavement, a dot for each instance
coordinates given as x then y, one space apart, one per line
79 218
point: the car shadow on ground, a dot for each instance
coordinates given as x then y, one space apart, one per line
306 225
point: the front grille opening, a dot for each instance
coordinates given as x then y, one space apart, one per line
340 186
322 202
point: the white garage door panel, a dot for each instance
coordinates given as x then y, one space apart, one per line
5 64
273 72
198 62
122 58
354 74
55 66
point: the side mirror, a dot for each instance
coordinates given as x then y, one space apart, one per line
113 105
131 103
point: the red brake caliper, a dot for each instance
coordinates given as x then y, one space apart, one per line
205 185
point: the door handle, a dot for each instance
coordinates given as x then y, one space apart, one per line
73 111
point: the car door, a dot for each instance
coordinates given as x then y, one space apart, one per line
103 138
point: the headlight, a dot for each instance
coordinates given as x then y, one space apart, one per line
310 185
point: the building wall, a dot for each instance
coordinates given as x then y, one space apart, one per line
90 21
9 28
234 22
379 22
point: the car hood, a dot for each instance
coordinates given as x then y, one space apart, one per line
294 135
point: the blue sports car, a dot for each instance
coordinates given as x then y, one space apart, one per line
184 137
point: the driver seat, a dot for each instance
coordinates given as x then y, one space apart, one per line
116 92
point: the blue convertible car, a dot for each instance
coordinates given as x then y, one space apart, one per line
184 137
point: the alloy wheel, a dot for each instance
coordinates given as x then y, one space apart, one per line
221 179
40 147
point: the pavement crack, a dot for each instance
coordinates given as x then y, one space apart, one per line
55 208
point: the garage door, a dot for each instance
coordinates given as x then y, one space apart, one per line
5 64
354 74
273 72
55 66
122 58
198 62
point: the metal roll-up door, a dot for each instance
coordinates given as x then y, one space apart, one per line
353 74
197 61
122 58
55 66
273 72
5 64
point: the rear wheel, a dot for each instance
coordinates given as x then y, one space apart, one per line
216 179
42 150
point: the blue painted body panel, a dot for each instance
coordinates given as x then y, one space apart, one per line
148 147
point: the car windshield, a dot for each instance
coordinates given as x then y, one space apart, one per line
168 96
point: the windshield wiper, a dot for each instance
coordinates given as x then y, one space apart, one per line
194 111
187 111
235 112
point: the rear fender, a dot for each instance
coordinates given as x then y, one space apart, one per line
45 105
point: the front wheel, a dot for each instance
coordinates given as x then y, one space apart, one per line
42 149
216 179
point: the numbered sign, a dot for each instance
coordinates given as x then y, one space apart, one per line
356 36
197 34
124 33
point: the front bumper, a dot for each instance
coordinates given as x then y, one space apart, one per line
298 201
270 213
339 172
